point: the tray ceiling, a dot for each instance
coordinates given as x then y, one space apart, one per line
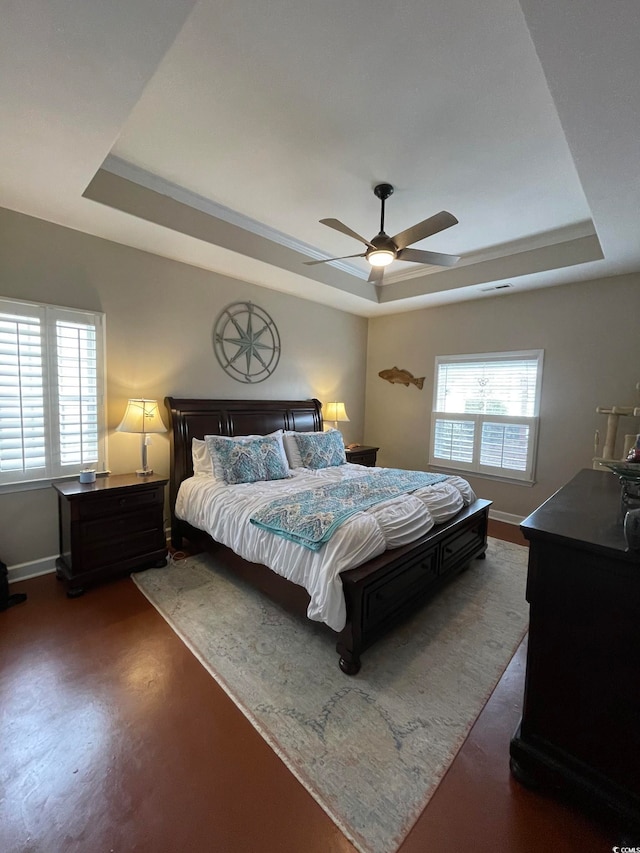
218 135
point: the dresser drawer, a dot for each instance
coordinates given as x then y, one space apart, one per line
100 505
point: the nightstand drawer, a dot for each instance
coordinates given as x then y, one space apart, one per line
126 501
362 455
105 553
114 527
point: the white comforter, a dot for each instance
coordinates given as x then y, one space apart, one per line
224 512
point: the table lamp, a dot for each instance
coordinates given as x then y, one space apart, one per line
142 416
335 412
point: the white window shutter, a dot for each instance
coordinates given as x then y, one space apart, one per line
51 391
485 413
22 396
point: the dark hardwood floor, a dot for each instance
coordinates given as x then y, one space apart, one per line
115 738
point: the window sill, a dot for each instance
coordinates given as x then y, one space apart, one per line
512 481
34 485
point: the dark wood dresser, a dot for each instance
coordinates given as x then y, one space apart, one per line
109 527
362 454
580 730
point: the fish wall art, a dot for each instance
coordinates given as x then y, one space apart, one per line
399 376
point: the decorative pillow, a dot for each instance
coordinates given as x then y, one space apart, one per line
243 460
203 463
321 449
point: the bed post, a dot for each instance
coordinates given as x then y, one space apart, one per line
349 659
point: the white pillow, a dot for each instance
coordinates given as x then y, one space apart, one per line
201 460
203 463
291 449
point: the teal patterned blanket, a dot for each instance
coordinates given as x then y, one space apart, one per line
312 516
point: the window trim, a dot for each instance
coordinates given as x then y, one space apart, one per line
475 467
54 470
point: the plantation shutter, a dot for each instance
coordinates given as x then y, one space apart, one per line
22 391
495 386
77 386
51 391
485 412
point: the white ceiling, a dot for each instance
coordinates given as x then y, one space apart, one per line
219 132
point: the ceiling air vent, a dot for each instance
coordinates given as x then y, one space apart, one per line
496 287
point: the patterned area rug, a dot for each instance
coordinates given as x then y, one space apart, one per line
371 748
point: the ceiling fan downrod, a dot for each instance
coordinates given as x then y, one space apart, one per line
383 191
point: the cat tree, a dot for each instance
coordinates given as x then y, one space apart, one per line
614 413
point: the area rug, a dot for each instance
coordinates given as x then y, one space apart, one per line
372 748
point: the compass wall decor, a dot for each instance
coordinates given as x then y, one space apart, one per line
246 342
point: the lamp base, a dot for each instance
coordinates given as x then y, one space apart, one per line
144 472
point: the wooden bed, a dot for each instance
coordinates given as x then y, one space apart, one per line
379 593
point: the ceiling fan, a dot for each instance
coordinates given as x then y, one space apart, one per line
382 249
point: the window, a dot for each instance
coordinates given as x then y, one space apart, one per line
485 413
51 391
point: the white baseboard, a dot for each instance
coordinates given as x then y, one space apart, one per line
44 566
507 517
24 571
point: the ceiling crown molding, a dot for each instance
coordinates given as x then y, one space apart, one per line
123 169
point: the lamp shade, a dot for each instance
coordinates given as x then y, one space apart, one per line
335 412
142 416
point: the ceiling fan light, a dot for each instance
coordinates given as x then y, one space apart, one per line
380 257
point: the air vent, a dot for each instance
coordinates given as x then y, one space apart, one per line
496 287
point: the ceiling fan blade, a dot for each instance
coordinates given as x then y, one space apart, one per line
376 275
344 229
435 223
417 256
326 260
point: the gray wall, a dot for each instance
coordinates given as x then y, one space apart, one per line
589 334
159 320
160 316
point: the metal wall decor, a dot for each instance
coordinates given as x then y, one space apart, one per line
246 342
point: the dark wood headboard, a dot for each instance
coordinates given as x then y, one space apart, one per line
190 419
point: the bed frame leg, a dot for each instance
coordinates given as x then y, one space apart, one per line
350 667
348 647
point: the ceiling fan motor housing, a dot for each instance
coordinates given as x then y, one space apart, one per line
382 242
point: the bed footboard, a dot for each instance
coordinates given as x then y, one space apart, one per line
384 591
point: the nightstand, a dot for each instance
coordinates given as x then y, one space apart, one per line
109 528
363 454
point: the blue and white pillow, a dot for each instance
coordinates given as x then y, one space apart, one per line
321 449
203 463
246 460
